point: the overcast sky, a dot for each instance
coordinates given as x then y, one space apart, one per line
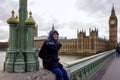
67 15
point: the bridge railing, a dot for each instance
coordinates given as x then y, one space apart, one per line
85 68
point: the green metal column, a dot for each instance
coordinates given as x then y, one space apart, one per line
11 51
31 54
30 23
12 33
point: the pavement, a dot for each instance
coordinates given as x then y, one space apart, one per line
113 71
110 71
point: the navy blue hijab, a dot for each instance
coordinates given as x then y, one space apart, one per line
51 39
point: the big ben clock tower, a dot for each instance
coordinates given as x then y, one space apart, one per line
113 29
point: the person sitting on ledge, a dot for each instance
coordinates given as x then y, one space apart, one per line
49 55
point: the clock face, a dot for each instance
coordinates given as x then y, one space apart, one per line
112 21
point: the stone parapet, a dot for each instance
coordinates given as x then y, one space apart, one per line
42 74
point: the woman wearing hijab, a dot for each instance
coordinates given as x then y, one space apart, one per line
49 55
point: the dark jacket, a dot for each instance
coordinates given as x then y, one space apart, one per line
49 54
118 49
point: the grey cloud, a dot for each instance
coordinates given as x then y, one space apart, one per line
81 25
4 37
32 2
102 29
44 25
95 7
4 33
6 7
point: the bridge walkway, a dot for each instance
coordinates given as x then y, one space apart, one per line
110 71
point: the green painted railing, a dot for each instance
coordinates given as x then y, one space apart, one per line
85 68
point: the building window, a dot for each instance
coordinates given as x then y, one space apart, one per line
92 44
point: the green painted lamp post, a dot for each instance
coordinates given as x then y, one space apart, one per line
21 55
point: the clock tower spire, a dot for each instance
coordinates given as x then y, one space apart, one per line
113 29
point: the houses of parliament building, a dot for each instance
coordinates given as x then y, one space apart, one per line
88 44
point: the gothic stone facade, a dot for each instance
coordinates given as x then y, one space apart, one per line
83 44
89 44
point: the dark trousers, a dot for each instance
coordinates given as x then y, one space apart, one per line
117 53
60 73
